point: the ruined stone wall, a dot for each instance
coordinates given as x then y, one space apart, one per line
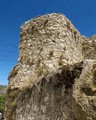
51 80
46 43
89 47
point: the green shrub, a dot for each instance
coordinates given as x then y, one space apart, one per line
2 102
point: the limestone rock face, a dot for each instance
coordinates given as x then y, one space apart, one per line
84 90
51 81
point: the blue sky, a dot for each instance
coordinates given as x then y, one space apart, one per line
13 13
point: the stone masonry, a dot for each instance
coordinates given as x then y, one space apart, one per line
51 81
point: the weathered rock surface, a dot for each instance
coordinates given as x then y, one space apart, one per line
51 81
89 47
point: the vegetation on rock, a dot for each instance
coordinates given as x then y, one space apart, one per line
2 102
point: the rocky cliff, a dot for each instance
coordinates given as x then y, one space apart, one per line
51 81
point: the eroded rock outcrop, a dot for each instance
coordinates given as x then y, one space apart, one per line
51 81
